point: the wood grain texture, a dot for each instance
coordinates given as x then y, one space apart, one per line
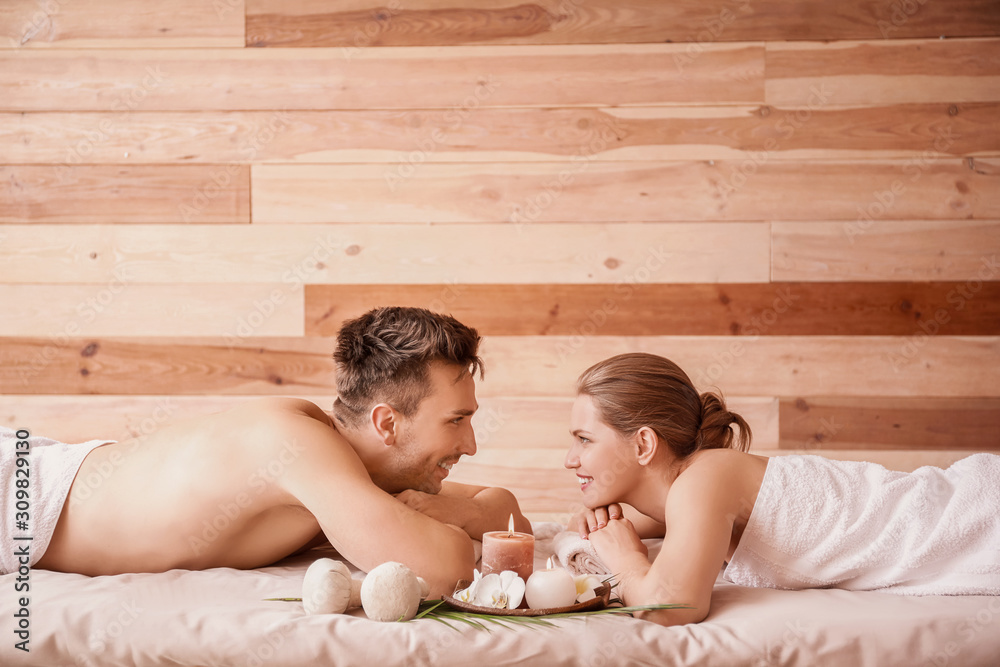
394 78
890 423
883 72
140 194
502 424
916 365
120 307
60 364
527 366
121 24
361 23
871 249
581 191
442 255
409 138
647 309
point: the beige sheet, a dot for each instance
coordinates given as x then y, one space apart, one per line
218 617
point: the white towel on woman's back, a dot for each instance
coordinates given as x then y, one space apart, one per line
821 523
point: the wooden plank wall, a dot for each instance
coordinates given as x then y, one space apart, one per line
798 202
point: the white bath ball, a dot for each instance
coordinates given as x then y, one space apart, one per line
326 588
390 592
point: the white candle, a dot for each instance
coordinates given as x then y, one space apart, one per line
550 588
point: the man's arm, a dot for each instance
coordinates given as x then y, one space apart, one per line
364 523
475 509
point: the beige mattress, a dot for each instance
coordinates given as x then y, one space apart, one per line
218 617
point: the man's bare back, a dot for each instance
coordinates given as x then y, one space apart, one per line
248 487
204 493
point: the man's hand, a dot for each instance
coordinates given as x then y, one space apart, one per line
475 509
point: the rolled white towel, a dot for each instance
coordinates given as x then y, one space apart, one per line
577 554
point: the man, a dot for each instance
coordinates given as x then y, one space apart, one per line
273 477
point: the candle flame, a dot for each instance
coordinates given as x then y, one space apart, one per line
548 563
510 526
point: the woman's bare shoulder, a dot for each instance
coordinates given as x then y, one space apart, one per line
727 475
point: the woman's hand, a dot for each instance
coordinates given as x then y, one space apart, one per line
620 548
587 521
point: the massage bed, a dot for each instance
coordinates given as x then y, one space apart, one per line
220 617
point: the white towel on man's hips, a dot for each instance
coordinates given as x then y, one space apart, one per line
858 526
44 481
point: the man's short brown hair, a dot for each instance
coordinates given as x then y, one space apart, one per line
383 357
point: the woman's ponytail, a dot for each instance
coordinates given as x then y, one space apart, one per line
716 430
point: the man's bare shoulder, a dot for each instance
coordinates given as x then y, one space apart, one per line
280 406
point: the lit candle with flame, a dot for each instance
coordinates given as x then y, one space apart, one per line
508 550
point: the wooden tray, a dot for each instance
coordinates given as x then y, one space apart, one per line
603 593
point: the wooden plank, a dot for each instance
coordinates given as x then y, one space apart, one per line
890 423
872 249
121 24
502 424
648 309
916 365
408 138
141 193
832 366
391 78
60 364
71 418
883 72
120 307
634 191
364 23
444 255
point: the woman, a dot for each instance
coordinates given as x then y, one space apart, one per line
657 459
